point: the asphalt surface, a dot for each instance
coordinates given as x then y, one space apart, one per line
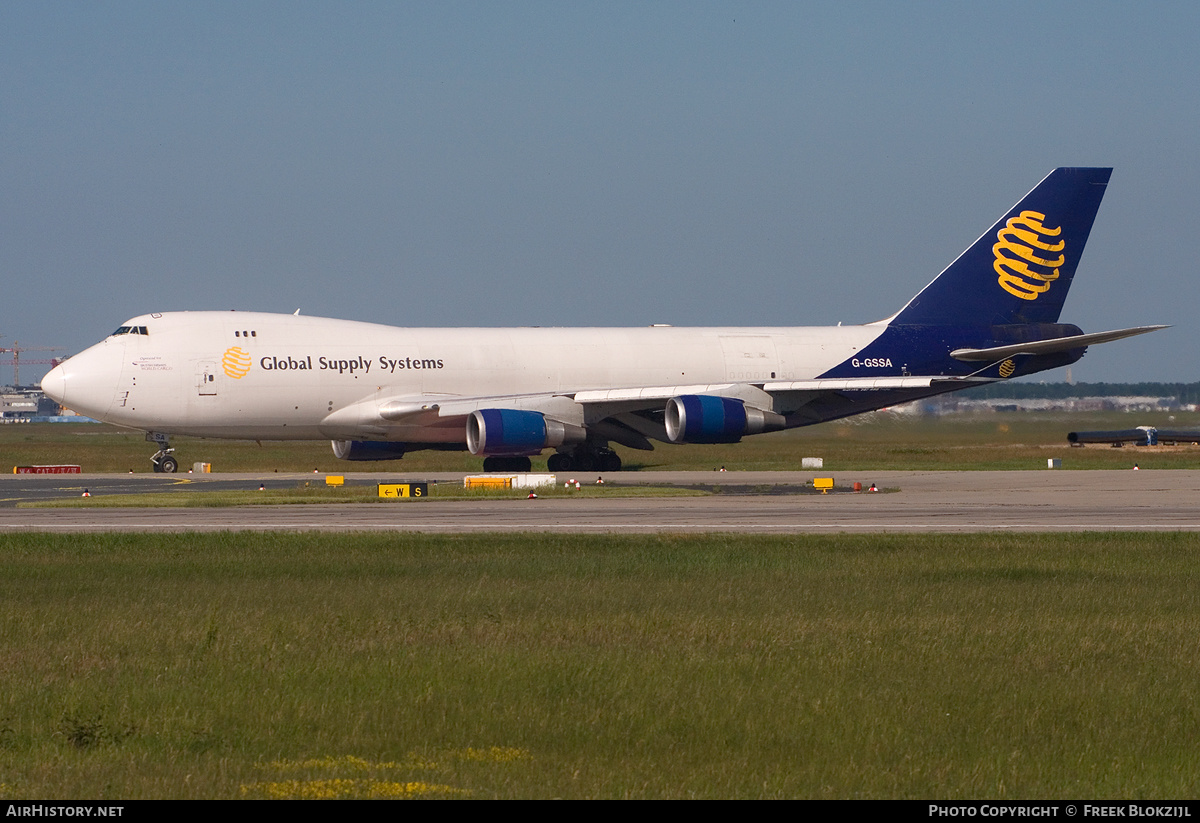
750 502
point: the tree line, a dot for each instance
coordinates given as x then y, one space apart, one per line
1183 392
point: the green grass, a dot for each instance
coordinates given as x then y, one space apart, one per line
869 442
235 665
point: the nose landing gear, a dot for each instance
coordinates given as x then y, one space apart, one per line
165 462
164 459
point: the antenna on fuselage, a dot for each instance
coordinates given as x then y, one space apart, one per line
296 313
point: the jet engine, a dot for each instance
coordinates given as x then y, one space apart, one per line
702 418
515 432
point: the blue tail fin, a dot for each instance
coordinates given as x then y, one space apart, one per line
1020 270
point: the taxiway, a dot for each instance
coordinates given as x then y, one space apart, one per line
750 502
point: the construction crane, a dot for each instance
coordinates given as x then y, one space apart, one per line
16 350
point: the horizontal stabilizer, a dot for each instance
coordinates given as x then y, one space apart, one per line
1052 346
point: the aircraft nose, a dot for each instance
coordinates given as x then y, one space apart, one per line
54 385
87 382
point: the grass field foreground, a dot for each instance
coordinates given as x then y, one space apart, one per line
296 665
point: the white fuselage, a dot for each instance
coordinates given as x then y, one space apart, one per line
269 376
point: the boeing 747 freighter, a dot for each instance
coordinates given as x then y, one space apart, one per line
378 392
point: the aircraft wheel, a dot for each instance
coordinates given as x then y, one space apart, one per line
559 462
583 462
168 465
610 461
507 464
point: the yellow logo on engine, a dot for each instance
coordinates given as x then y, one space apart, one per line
1007 368
236 362
1023 272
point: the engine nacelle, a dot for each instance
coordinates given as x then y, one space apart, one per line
702 418
367 450
514 432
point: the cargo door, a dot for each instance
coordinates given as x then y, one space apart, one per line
749 357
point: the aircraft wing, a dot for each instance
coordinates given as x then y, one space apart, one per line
599 403
663 393
633 415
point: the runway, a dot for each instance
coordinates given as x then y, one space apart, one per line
750 502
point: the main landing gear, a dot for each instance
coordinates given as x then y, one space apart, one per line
507 464
164 459
585 460
595 458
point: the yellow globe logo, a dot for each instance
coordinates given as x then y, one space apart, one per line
1026 259
1007 368
236 362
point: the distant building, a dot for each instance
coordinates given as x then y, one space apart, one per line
17 405
21 405
951 404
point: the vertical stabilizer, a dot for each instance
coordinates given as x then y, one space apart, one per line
1021 269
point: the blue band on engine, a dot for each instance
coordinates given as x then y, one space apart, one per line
713 419
508 431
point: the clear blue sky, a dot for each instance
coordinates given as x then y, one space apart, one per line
454 163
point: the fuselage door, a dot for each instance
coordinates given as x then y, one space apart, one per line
206 377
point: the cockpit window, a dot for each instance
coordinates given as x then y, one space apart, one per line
130 330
